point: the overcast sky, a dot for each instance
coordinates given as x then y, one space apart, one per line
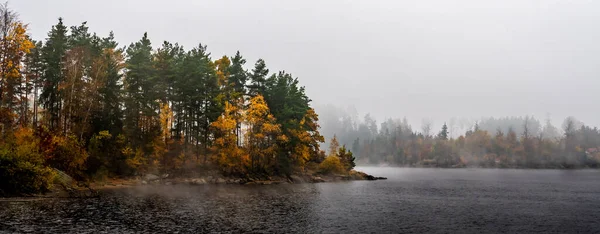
419 59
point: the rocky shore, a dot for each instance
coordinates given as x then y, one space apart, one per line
150 179
66 187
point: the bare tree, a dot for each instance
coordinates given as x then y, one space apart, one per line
426 127
452 125
570 125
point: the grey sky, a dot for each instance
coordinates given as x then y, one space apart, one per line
433 59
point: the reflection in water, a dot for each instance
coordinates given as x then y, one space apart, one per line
411 200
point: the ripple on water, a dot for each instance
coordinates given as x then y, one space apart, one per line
411 200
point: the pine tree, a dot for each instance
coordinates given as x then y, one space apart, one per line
198 89
238 76
33 72
109 115
258 78
289 105
443 135
53 53
140 115
356 146
346 158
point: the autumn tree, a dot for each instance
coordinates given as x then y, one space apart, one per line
163 141
228 93
308 139
262 135
14 46
230 158
334 145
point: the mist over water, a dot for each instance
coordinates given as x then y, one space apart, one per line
411 200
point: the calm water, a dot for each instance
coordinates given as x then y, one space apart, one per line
411 200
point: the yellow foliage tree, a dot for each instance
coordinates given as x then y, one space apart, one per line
262 135
229 94
161 143
14 46
229 156
309 139
334 145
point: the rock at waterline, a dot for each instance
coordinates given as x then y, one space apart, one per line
296 179
317 179
370 177
220 181
198 181
151 177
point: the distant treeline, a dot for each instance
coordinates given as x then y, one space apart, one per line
79 103
491 142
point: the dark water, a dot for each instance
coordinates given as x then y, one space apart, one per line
411 200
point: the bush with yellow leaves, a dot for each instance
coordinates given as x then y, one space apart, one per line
331 165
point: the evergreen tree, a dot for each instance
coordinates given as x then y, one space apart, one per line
53 53
443 135
356 146
258 78
238 76
34 72
109 115
197 89
346 158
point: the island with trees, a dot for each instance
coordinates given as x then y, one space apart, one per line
78 107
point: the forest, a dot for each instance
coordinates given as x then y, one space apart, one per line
79 103
511 142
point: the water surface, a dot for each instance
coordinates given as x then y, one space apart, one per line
411 200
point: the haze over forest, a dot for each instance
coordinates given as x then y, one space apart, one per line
392 59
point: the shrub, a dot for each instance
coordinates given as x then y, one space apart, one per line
66 154
22 170
331 165
20 177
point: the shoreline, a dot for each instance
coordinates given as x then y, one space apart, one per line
92 189
222 180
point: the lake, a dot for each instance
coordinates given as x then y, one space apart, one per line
414 200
